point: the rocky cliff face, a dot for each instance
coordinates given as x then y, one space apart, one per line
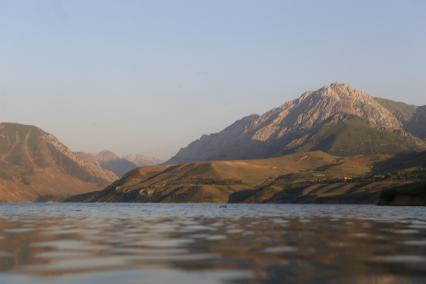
291 126
35 165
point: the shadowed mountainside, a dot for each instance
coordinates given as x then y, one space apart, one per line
417 123
407 195
34 165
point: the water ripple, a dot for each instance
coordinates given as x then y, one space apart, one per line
130 243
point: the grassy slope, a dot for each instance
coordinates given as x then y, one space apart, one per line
301 177
402 111
352 136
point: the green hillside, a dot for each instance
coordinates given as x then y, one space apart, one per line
404 112
352 135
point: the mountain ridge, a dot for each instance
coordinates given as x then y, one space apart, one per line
284 129
35 164
120 165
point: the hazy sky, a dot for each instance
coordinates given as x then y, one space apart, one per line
151 76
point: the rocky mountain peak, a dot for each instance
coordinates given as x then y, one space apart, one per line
342 91
313 108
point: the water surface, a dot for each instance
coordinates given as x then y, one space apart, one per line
144 243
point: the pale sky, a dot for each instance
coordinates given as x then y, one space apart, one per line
151 76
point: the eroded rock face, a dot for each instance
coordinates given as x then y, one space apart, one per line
289 126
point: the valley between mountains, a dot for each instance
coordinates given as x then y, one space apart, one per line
336 144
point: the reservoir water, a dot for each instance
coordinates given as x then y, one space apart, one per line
167 243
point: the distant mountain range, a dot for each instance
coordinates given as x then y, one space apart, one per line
120 165
143 160
335 145
337 119
34 165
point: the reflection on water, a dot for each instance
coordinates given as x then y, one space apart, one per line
137 243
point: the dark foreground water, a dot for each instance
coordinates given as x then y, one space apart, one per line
136 243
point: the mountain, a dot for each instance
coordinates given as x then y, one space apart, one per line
109 161
417 123
311 177
143 160
34 165
119 165
106 156
114 163
412 117
337 119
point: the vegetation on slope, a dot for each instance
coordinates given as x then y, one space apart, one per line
301 177
404 112
351 136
